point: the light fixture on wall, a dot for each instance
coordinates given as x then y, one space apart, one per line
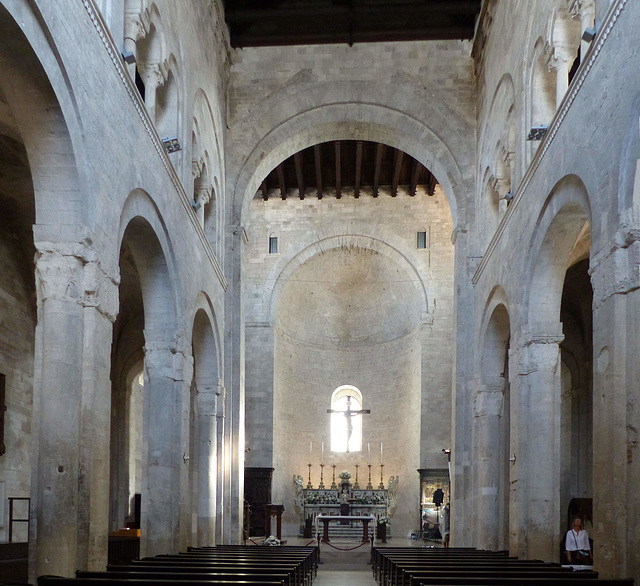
538 132
589 34
508 196
171 145
128 57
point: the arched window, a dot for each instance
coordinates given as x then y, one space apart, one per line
346 426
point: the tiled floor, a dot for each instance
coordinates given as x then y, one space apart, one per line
344 578
347 568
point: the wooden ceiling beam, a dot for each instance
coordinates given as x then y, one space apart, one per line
356 188
431 184
318 160
299 174
415 175
281 181
265 191
397 166
338 171
378 166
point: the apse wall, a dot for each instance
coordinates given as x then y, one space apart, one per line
349 299
388 376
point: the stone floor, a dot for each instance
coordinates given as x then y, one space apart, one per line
341 565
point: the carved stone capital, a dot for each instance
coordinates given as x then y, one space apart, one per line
154 74
72 272
196 168
203 195
617 272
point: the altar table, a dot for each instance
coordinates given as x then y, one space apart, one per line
327 518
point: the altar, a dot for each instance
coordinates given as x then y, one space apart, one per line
373 503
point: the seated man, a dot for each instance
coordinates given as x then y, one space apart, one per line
577 550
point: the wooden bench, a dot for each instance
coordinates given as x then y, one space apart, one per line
232 575
60 581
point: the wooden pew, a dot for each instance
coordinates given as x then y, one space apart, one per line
231 575
61 581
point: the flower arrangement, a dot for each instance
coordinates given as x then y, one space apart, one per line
271 540
384 521
345 475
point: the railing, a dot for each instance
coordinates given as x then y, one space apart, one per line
12 517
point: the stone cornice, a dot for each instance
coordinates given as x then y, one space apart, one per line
568 100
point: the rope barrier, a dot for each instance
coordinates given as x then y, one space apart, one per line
345 549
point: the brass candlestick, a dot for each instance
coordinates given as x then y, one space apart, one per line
381 487
321 485
309 485
369 485
356 486
334 486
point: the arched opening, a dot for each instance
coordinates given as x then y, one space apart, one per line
346 428
338 318
143 340
203 448
493 434
556 294
542 93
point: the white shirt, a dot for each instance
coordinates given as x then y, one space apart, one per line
576 541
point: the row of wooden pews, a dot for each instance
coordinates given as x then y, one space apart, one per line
413 566
232 565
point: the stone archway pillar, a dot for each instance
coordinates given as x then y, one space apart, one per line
488 403
77 305
539 447
207 399
616 410
221 466
165 470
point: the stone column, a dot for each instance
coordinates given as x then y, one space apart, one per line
616 412
539 457
153 75
202 198
234 383
487 411
164 449
77 304
207 461
221 462
502 186
462 502
134 30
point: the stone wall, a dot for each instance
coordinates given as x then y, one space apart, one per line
17 327
349 299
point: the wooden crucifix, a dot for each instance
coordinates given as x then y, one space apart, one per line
349 414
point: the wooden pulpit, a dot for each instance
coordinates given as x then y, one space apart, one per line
276 511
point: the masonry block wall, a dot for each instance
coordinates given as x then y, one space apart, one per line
17 327
318 329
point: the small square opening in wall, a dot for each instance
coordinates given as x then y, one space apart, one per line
273 245
422 239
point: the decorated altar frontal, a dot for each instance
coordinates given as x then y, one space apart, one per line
345 499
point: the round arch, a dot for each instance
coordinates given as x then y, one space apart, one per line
38 94
142 223
285 268
350 121
559 225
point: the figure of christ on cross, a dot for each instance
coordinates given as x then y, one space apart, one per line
348 413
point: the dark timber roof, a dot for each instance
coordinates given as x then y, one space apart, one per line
262 23
347 164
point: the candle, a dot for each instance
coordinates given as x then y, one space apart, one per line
369 451
310 448
322 453
381 453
